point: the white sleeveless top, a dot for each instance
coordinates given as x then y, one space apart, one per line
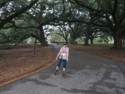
64 51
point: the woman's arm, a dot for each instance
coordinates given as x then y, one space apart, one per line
67 58
58 54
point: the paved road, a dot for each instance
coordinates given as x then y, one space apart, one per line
86 74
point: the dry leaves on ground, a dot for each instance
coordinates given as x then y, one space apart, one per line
102 50
22 60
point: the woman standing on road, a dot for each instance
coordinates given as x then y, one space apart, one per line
62 57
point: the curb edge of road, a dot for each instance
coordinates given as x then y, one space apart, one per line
27 74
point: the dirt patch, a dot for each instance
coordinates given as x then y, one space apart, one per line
22 60
102 50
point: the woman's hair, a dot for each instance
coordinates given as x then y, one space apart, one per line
65 44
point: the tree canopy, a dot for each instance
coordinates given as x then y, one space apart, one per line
20 19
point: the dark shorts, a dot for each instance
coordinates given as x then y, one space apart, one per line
60 61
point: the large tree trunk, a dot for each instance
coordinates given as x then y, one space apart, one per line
42 38
117 41
87 35
73 37
91 40
66 40
72 40
86 41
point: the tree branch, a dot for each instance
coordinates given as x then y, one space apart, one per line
4 3
9 18
122 16
83 5
115 6
115 10
18 27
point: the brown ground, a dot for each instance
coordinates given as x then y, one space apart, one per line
22 60
102 50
